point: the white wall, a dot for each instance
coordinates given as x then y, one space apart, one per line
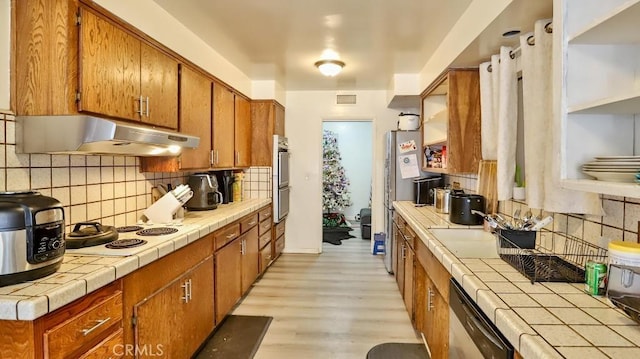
356 149
5 41
305 113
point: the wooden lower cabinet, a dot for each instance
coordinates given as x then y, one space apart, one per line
89 325
424 284
265 258
408 280
250 259
228 269
185 307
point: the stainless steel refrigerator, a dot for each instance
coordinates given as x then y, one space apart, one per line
396 187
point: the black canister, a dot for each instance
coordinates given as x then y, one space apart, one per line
461 205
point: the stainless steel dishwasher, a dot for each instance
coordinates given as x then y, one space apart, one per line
471 333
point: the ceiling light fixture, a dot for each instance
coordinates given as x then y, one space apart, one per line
330 67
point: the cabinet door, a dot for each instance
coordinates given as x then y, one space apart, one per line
420 295
195 117
262 117
250 258
401 259
186 309
464 151
109 69
242 132
199 310
408 281
159 87
279 120
223 127
163 336
438 338
228 269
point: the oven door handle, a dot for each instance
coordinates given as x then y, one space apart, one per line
472 321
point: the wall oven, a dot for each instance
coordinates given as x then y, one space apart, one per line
280 178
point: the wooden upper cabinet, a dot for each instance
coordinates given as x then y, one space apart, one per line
195 117
267 119
242 132
159 86
109 76
451 118
45 69
223 127
121 76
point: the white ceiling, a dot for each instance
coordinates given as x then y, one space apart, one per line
281 39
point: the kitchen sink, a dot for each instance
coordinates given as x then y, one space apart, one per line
467 243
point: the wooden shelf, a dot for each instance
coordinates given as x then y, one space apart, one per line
604 187
620 26
627 104
440 116
436 170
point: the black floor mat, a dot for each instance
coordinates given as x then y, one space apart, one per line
398 351
238 337
335 235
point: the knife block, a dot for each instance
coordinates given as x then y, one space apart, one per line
162 210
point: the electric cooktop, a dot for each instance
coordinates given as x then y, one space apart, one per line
135 239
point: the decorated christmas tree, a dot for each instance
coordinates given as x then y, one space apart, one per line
335 194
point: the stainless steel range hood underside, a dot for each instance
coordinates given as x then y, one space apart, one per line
88 135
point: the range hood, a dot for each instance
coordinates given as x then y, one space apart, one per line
89 135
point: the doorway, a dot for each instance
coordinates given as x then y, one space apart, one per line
354 142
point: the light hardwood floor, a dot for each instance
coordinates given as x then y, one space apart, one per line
335 305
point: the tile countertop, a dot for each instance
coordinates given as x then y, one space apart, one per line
80 274
541 320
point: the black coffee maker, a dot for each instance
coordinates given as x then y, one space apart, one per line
225 185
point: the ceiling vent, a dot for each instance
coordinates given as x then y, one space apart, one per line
346 99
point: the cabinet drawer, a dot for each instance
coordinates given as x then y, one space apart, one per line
64 339
226 235
279 246
264 239
265 227
438 274
248 222
112 348
265 258
264 213
279 230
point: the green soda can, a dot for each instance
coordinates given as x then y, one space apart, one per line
595 274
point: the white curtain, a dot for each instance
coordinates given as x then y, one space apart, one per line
507 123
542 129
489 122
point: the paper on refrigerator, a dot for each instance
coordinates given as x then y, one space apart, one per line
409 166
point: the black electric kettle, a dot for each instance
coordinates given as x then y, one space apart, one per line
205 192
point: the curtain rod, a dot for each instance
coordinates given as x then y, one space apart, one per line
531 41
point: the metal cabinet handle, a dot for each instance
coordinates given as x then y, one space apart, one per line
99 323
211 158
147 106
140 100
237 157
229 236
217 157
430 300
185 288
189 291
252 223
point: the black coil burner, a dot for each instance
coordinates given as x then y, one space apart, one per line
126 243
126 229
158 231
